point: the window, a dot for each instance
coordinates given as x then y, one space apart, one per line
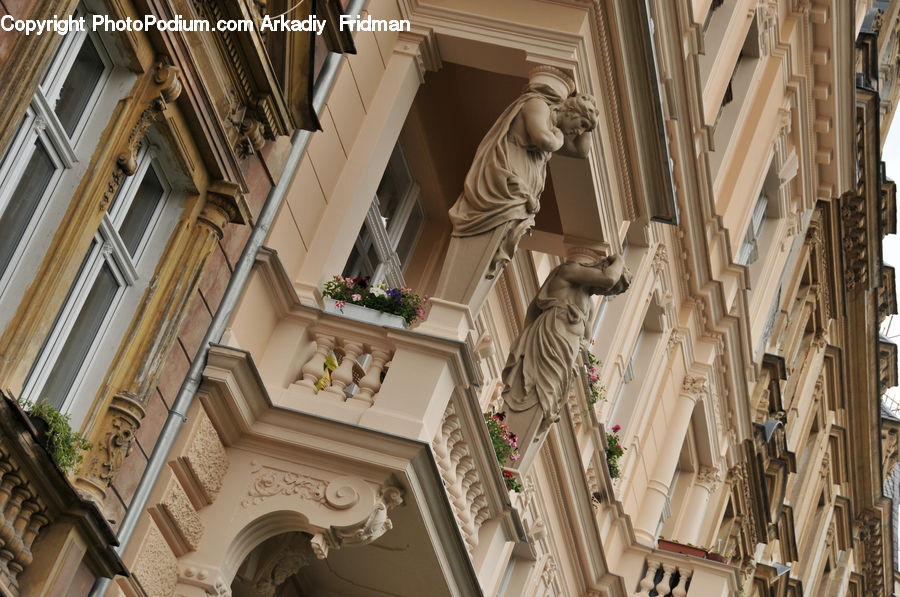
749 251
47 142
388 236
105 292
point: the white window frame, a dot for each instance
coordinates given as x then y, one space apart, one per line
108 249
41 124
749 251
386 237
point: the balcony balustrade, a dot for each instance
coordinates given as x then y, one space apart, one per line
42 516
676 575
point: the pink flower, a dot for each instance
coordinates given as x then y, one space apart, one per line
594 377
339 304
619 447
356 297
593 341
616 428
513 457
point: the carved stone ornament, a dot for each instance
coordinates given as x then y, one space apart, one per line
268 482
695 387
503 187
540 366
365 531
709 477
168 78
109 452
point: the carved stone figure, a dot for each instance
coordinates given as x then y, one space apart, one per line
539 369
506 179
503 187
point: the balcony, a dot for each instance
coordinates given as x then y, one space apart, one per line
666 573
417 387
45 525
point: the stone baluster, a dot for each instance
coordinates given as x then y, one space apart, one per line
12 543
37 522
11 497
664 586
315 367
371 382
343 375
646 584
680 589
21 555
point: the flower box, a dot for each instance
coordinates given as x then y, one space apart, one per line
687 550
365 314
717 557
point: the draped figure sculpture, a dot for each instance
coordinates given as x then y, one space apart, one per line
540 367
502 190
504 184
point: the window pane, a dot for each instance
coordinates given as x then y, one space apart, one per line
410 234
393 187
24 202
79 85
81 337
144 204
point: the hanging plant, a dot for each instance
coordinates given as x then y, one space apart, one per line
506 447
66 446
614 451
597 391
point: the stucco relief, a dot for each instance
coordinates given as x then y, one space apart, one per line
365 531
267 482
157 568
695 387
206 459
181 516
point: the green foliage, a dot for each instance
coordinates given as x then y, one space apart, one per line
65 445
506 447
357 291
597 389
614 451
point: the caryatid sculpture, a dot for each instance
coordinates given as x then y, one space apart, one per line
541 364
503 187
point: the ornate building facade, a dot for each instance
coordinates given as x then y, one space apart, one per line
693 317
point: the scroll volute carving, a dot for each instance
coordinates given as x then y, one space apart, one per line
165 88
111 445
225 204
363 532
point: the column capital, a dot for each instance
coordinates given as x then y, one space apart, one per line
694 388
421 44
708 477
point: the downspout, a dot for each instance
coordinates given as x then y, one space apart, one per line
178 413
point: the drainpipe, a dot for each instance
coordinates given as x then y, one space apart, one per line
178 413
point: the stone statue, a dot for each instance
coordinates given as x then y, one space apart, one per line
502 190
541 362
504 184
